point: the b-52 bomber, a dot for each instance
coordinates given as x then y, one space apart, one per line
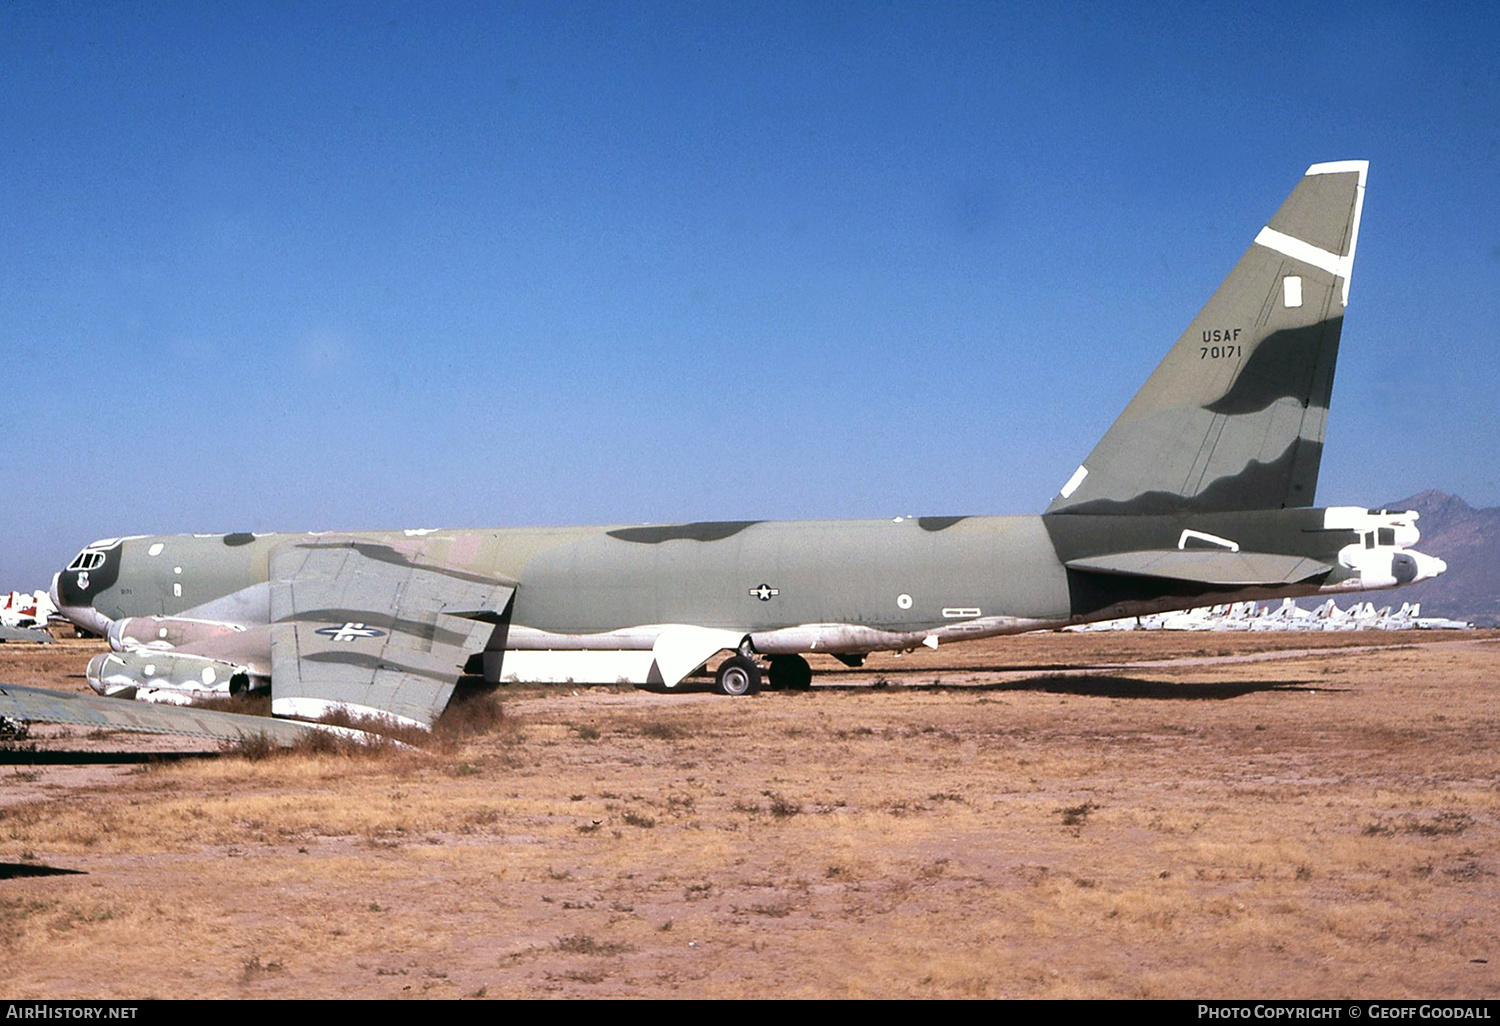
1200 493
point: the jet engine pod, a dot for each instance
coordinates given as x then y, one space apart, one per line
165 632
167 677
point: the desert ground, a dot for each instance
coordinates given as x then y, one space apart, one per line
1055 815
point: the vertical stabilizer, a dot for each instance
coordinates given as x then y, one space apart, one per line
1233 417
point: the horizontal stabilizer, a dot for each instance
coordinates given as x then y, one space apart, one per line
1226 568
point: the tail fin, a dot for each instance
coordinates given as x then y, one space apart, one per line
1233 417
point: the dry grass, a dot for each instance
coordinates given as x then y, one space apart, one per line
1323 826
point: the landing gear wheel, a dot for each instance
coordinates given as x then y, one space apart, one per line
790 672
738 675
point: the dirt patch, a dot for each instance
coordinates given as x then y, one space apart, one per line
1044 816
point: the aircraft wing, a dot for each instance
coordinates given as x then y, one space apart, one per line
22 706
375 631
25 634
1205 567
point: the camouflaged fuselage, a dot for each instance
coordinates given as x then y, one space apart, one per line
901 576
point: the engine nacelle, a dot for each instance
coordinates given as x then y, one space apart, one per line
165 632
159 676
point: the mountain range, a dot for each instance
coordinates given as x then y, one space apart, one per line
1469 539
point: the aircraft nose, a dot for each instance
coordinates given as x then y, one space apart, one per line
52 591
75 588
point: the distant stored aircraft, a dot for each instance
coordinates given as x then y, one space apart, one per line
19 609
23 617
1198 494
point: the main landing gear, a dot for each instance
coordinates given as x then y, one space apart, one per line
790 672
740 675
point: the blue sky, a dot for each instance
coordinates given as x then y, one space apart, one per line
278 266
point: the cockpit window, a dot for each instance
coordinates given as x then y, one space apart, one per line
88 559
1387 536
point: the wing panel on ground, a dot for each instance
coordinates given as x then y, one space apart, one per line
37 705
36 634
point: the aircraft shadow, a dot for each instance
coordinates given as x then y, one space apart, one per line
22 757
1102 686
13 870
